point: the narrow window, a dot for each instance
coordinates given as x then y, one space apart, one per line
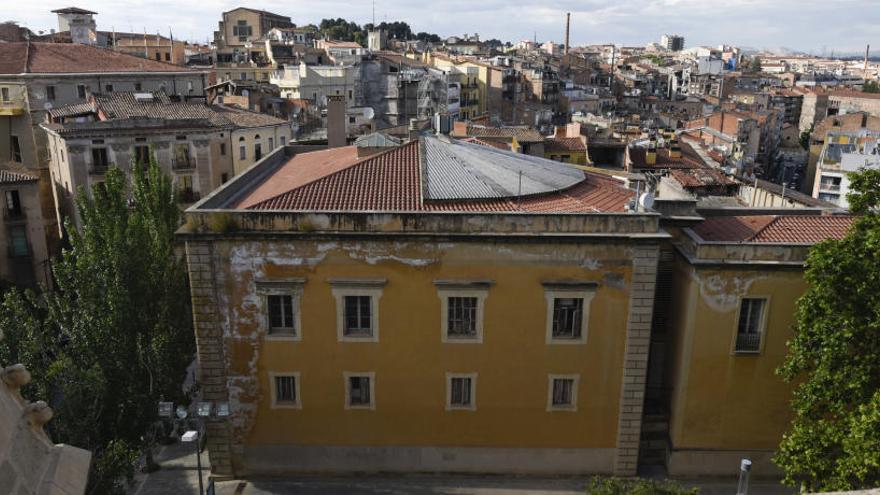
167 57
158 56
99 159
4 94
13 203
222 149
50 92
137 86
242 152
258 152
358 316
81 91
271 144
18 245
108 88
15 149
224 177
281 314
749 327
142 156
567 314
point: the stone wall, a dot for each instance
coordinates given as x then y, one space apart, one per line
30 464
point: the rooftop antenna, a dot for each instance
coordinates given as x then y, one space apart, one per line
374 14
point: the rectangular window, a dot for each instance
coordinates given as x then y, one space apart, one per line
358 320
108 88
13 204
81 91
242 152
222 149
562 392
4 94
50 92
462 317
285 390
258 152
750 325
142 155
18 245
461 391
224 177
567 314
359 393
271 144
281 314
99 159
137 86
14 149
158 56
167 57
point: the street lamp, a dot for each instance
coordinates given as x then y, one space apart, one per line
203 411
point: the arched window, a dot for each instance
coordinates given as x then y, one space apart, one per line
242 149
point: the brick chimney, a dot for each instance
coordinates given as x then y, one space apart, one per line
336 135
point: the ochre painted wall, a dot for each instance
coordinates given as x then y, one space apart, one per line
409 361
722 400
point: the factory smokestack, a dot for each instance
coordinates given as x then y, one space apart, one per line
867 53
568 27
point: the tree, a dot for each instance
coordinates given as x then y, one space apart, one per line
755 64
116 335
832 443
804 138
871 87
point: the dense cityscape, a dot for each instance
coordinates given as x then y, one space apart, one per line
657 264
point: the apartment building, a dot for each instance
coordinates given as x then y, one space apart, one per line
844 153
22 238
847 129
240 48
37 77
199 146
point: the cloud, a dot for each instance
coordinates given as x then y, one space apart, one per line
802 24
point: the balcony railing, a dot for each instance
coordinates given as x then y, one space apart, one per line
186 163
748 342
829 187
98 168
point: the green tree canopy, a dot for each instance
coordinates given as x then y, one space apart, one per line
755 64
116 334
834 439
871 87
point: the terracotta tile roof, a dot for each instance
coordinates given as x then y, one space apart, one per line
59 58
501 145
564 144
392 181
522 134
786 229
701 177
13 176
246 118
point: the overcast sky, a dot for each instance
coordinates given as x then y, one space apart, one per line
807 25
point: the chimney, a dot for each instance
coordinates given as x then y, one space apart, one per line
336 135
413 129
867 53
442 124
567 28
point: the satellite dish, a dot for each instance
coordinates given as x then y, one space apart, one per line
47 106
646 200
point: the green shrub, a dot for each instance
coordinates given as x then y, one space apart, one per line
636 486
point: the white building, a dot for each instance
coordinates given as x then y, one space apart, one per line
317 82
844 153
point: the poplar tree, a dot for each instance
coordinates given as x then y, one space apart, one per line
115 334
833 442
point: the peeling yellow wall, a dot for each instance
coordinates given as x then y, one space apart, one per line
409 360
721 400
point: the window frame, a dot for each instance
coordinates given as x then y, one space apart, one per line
347 376
472 406
478 289
585 290
287 287
551 378
762 326
341 288
297 385
13 253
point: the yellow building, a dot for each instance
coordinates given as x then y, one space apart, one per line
380 329
449 306
734 282
567 149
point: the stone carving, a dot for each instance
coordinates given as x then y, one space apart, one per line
37 415
15 377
